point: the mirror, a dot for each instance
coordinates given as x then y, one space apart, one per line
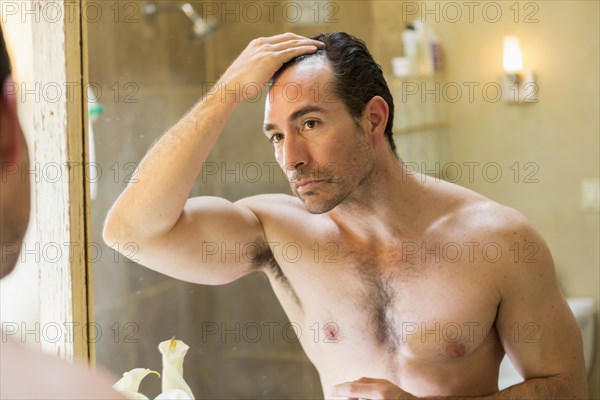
151 61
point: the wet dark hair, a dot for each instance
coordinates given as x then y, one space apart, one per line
357 77
4 62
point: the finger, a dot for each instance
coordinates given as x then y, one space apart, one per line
293 52
357 389
289 38
372 380
288 54
285 37
296 43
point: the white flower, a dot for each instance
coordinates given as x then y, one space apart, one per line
129 384
174 394
173 352
173 385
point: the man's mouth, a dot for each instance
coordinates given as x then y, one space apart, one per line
308 184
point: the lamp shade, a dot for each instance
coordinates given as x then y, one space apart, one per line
513 59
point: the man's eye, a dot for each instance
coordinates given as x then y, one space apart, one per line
311 124
276 138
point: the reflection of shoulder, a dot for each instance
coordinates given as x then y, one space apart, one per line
26 373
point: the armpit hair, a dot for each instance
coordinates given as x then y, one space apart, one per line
265 260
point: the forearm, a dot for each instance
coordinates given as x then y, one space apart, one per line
537 388
572 386
153 201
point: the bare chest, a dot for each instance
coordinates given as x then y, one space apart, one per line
361 304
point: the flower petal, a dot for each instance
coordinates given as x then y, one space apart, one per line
134 396
174 394
173 352
129 384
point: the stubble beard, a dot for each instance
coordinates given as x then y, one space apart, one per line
342 187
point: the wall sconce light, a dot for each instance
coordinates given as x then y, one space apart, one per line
518 85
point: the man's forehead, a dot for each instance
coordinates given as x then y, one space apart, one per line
312 68
308 82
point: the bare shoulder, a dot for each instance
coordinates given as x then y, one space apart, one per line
502 235
498 222
274 206
282 216
483 216
472 213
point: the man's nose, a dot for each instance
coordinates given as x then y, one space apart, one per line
295 153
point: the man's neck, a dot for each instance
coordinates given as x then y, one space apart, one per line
385 205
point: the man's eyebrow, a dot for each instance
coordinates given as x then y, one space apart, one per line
296 115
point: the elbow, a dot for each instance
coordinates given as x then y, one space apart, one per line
109 233
119 236
113 231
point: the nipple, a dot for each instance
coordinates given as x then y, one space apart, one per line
331 332
454 350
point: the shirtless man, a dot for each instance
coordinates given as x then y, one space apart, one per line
27 374
408 302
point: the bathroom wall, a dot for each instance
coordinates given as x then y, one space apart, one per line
157 72
558 135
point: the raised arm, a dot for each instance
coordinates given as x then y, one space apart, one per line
170 231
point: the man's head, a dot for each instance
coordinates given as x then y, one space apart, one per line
14 191
330 116
357 77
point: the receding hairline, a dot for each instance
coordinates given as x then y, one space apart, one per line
330 85
320 55
327 69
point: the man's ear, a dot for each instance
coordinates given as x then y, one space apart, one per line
9 124
376 116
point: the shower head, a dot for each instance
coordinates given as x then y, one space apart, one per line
201 27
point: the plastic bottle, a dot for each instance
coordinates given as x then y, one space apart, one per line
425 57
410 42
436 52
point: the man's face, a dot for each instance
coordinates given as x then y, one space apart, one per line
323 151
14 194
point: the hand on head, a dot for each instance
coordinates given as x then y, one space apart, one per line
255 66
